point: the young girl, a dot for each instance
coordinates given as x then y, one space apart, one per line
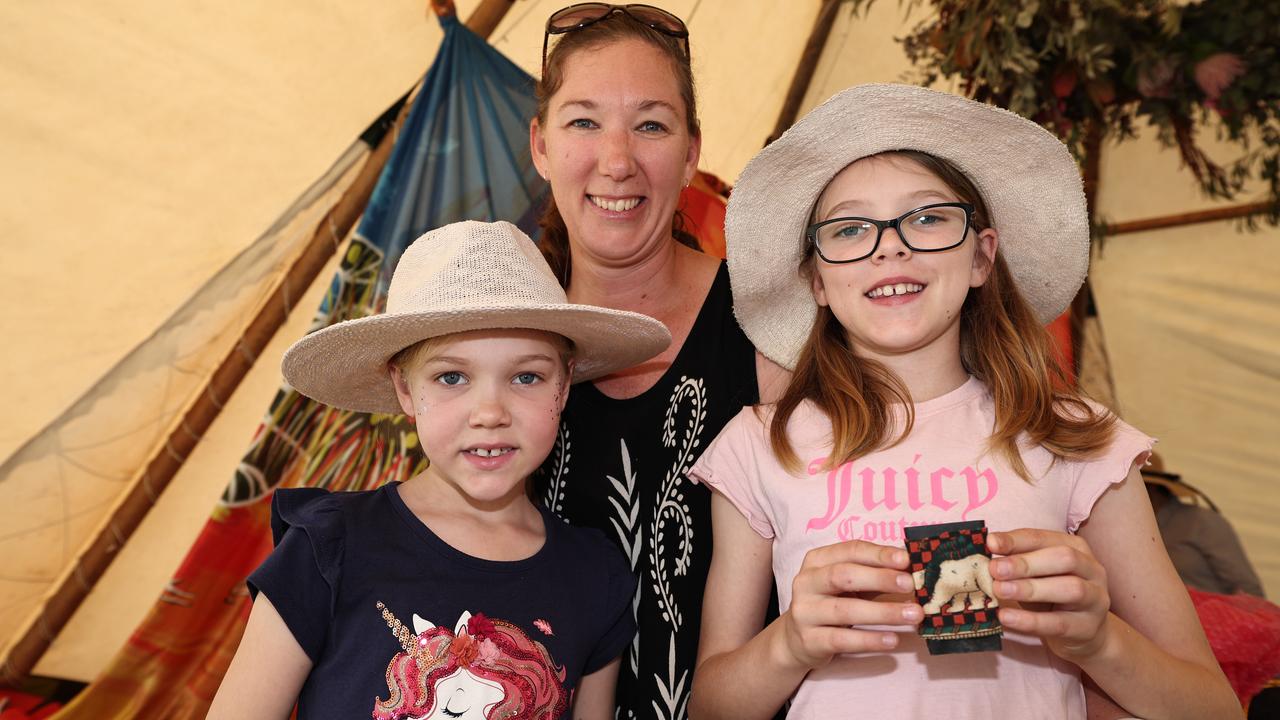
900 249
450 595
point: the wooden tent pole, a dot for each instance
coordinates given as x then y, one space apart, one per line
804 69
1202 216
74 585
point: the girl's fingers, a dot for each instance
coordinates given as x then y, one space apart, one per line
1063 590
1047 562
834 640
1062 624
848 578
858 552
1025 540
1043 553
828 612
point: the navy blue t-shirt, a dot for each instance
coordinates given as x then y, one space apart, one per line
397 622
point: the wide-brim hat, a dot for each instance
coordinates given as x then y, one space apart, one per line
460 277
1026 176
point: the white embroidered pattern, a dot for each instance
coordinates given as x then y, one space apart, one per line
672 508
554 496
674 694
670 520
630 535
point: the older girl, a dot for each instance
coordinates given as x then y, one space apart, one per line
901 248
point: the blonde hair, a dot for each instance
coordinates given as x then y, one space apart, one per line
1002 343
424 350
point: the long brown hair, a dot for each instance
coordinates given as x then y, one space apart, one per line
1002 343
618 27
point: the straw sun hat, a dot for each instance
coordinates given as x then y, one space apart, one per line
464 276
1028 179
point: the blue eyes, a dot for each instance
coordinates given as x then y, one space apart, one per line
454 378
852 231
927 220
648 126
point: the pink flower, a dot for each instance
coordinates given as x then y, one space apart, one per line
543 625
1216 73
489 652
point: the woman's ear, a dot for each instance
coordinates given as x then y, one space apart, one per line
538 147
691 159
984 256
403 393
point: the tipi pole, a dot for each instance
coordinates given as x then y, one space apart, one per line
1231 212
805 68
75 583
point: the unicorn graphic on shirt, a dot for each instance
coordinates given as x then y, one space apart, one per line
483 670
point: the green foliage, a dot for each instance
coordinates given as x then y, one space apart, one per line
1072 64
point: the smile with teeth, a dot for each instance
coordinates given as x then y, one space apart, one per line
898 289
618 205
495 452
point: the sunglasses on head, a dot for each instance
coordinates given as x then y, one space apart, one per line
582 15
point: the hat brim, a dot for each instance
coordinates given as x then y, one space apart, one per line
345 365
1026 176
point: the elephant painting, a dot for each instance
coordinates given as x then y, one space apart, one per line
958 579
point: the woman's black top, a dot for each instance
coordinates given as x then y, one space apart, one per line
619 465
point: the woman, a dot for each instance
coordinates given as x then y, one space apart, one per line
617 137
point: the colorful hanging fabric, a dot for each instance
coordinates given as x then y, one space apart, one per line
462 155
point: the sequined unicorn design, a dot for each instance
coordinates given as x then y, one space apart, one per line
483 669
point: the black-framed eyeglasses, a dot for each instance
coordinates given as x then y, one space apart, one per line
932 228
581 15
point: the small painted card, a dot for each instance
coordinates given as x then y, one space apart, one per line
949 564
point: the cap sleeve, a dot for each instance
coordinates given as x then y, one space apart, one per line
731 467
1128 447
619 624
302 573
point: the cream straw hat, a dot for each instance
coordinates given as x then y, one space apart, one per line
1028 179
463 276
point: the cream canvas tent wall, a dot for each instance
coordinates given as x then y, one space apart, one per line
147 144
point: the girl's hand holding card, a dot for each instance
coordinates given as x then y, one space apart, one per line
1059 587
832 600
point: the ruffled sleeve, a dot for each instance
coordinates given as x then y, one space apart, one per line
619 624
1128 447
302 574
731 467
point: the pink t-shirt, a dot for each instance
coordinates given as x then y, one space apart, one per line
939 473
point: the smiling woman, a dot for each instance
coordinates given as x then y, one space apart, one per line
617 136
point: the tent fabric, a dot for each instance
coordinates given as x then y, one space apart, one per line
463 154
58 489
147 145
